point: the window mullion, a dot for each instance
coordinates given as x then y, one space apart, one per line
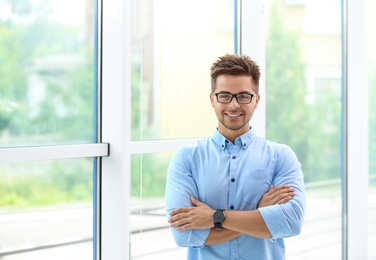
38 153
253 27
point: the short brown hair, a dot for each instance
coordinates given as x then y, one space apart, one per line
236 65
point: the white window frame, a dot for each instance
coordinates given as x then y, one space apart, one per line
113 241
355 242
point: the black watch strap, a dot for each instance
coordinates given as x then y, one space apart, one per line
218 226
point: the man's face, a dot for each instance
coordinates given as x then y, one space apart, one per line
233 118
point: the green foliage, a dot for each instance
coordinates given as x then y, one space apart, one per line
59 182
286 109
19 7
67 109
149 174
372 120
65 114
75 96
136 104
12 74
142 110
12 69
311 129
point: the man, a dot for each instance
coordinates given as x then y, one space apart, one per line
234 195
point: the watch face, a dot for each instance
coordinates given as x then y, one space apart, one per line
219 216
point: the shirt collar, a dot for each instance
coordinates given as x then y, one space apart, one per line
244 140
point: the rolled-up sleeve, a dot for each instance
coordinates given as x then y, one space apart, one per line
180 186
287 219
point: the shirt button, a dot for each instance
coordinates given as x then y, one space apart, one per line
232 179
233 157
232 207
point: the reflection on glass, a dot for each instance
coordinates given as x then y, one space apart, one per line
371 36
150 234
46 72
173 46
303 110
46 203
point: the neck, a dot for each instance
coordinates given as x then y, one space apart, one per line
232 134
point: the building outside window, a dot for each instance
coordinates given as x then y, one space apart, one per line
47 98
135 74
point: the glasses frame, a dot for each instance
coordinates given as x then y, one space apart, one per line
234 96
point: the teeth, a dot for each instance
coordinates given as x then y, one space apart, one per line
233 115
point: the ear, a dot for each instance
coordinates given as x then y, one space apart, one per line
257 101
211 99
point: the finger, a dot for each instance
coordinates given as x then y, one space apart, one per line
181 223
281 198
285 186
183 227
284 189
172 219
284 197
271 189
179 210
176 220
174 212
195 202
284 200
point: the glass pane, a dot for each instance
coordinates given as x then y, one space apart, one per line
44 205
303 110
46 72
371 35
173 46
148 216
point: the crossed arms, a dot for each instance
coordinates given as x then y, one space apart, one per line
237 223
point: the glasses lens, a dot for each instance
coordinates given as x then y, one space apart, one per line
224 97
244 98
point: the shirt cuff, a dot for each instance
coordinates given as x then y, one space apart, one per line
275 221
198 237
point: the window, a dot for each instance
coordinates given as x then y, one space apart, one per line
47 129
303 110
170 69
372 129
173 46
44 206
151 60
47 79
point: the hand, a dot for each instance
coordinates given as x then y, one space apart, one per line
276 195
197 217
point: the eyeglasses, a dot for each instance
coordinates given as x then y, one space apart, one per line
241 98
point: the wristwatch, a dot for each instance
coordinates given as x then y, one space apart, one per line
218 217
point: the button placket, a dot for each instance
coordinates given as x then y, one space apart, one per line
233 177
232 192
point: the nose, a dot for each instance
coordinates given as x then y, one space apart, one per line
233 104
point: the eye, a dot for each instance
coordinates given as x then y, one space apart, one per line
244 96
224 95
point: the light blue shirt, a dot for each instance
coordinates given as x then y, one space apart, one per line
235 177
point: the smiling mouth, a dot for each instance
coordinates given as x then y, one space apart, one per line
233 115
